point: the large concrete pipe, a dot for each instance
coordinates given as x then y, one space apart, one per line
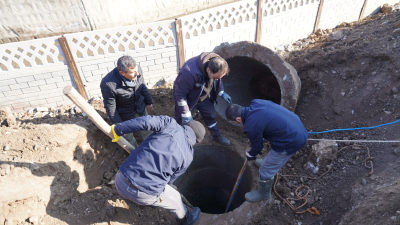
257 72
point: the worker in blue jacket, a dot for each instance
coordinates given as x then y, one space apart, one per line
145 177
282 128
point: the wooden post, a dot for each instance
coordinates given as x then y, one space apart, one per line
259 21
181 48
319 15
363 9
72 66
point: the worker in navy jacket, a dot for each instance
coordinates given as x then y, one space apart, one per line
145 177
125 94
282 128
198 85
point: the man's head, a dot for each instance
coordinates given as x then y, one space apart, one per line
217 68
198 129
127 67
234 113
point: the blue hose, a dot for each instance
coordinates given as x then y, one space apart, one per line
360 128
347 129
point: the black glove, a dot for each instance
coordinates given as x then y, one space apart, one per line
250 157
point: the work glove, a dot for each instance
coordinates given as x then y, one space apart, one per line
186 120
116 137
226 97
250 157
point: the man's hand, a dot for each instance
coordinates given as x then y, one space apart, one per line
226 97
116 137
250 157
149 107
186 120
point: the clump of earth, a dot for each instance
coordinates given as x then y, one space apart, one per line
57 167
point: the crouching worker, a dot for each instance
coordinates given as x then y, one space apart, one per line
282 128
145 177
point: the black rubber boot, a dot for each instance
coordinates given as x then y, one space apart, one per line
222 140
191 217
262 193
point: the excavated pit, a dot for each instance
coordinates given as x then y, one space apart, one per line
256 72
209 180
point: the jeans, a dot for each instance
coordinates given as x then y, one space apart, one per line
169 199
272 163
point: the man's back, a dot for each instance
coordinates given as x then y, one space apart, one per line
162 157
275 123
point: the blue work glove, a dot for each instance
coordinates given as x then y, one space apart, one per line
226 97
250 157
186 120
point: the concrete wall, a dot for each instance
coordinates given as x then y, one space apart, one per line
24 20
374 6
335 12
205 30
33 73
152 45
286 22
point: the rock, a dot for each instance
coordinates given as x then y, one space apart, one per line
33 220
310 200
6 117
289 48
393 217
335 36
277 202
396 151
363 182
6 148
280 48
386 8
322 153
42 109
107 175
4 169
395 90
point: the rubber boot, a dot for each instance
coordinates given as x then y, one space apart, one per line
191 217
258 162
262 193
222 140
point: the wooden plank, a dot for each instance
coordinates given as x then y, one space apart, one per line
72 66
181 48
259 21
319 15
362 10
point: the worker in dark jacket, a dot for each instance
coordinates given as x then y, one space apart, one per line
282 128
145 177
125 94
197 86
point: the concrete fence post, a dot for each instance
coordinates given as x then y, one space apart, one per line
318 15
259 21
363 9
181 47
72 66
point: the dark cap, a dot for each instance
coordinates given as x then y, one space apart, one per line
198 130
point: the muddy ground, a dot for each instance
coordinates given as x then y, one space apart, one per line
58 168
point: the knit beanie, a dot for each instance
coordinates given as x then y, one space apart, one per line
198 130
